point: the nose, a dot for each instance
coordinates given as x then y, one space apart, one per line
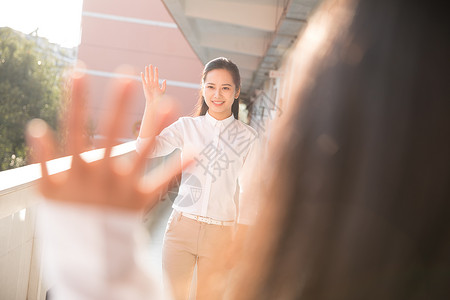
217 93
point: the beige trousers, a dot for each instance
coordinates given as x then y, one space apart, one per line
188 242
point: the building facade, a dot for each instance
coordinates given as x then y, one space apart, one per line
135 33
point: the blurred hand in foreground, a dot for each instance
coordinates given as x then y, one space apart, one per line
108 182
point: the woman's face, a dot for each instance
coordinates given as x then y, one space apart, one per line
219 92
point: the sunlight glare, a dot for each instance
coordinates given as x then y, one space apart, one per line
58 21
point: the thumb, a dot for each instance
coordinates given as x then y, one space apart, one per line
163 88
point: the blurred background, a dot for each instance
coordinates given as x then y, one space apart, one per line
42 40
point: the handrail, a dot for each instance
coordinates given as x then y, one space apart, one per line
20 258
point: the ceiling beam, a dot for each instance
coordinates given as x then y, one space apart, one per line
254 34
263 17
239 43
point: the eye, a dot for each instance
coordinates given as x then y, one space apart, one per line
226 88
209 87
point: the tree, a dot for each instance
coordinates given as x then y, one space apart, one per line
31 85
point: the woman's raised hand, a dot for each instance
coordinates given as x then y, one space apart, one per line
108 182
150 84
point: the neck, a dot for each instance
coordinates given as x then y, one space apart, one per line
219 117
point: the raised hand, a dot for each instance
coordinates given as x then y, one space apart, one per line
150 84
107 182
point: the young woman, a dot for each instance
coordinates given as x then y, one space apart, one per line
204 212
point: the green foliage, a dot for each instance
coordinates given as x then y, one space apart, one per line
30 87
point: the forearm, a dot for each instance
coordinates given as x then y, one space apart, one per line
146 124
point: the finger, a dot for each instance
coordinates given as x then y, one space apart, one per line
163 88
156 79
115 118
39 138
150 78
158 180
147 74
76 117
163 115
143 79
141 157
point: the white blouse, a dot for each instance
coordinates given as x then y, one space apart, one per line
222 150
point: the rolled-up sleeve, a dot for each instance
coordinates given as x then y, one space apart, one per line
166 142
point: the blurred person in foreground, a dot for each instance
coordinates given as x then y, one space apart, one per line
358 198
357 194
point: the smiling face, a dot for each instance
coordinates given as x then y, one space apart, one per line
219 92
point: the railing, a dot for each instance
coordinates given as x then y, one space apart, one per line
20 255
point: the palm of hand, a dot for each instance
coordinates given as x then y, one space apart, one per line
150 84
107 182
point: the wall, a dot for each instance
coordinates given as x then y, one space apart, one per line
20 272
136 33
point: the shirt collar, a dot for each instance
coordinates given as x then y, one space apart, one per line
214 122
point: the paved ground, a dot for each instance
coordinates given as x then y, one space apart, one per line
156 225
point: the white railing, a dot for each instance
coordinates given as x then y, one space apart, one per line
20 257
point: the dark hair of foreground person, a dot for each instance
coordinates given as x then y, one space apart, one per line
357 200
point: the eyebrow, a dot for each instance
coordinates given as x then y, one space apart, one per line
210 83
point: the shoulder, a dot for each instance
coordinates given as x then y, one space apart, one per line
185 122
248 128
190 120
188 124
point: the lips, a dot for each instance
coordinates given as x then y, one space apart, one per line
218 102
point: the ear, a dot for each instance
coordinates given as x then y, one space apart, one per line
202 91
238 92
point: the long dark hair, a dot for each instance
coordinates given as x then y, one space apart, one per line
358 194
219 63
